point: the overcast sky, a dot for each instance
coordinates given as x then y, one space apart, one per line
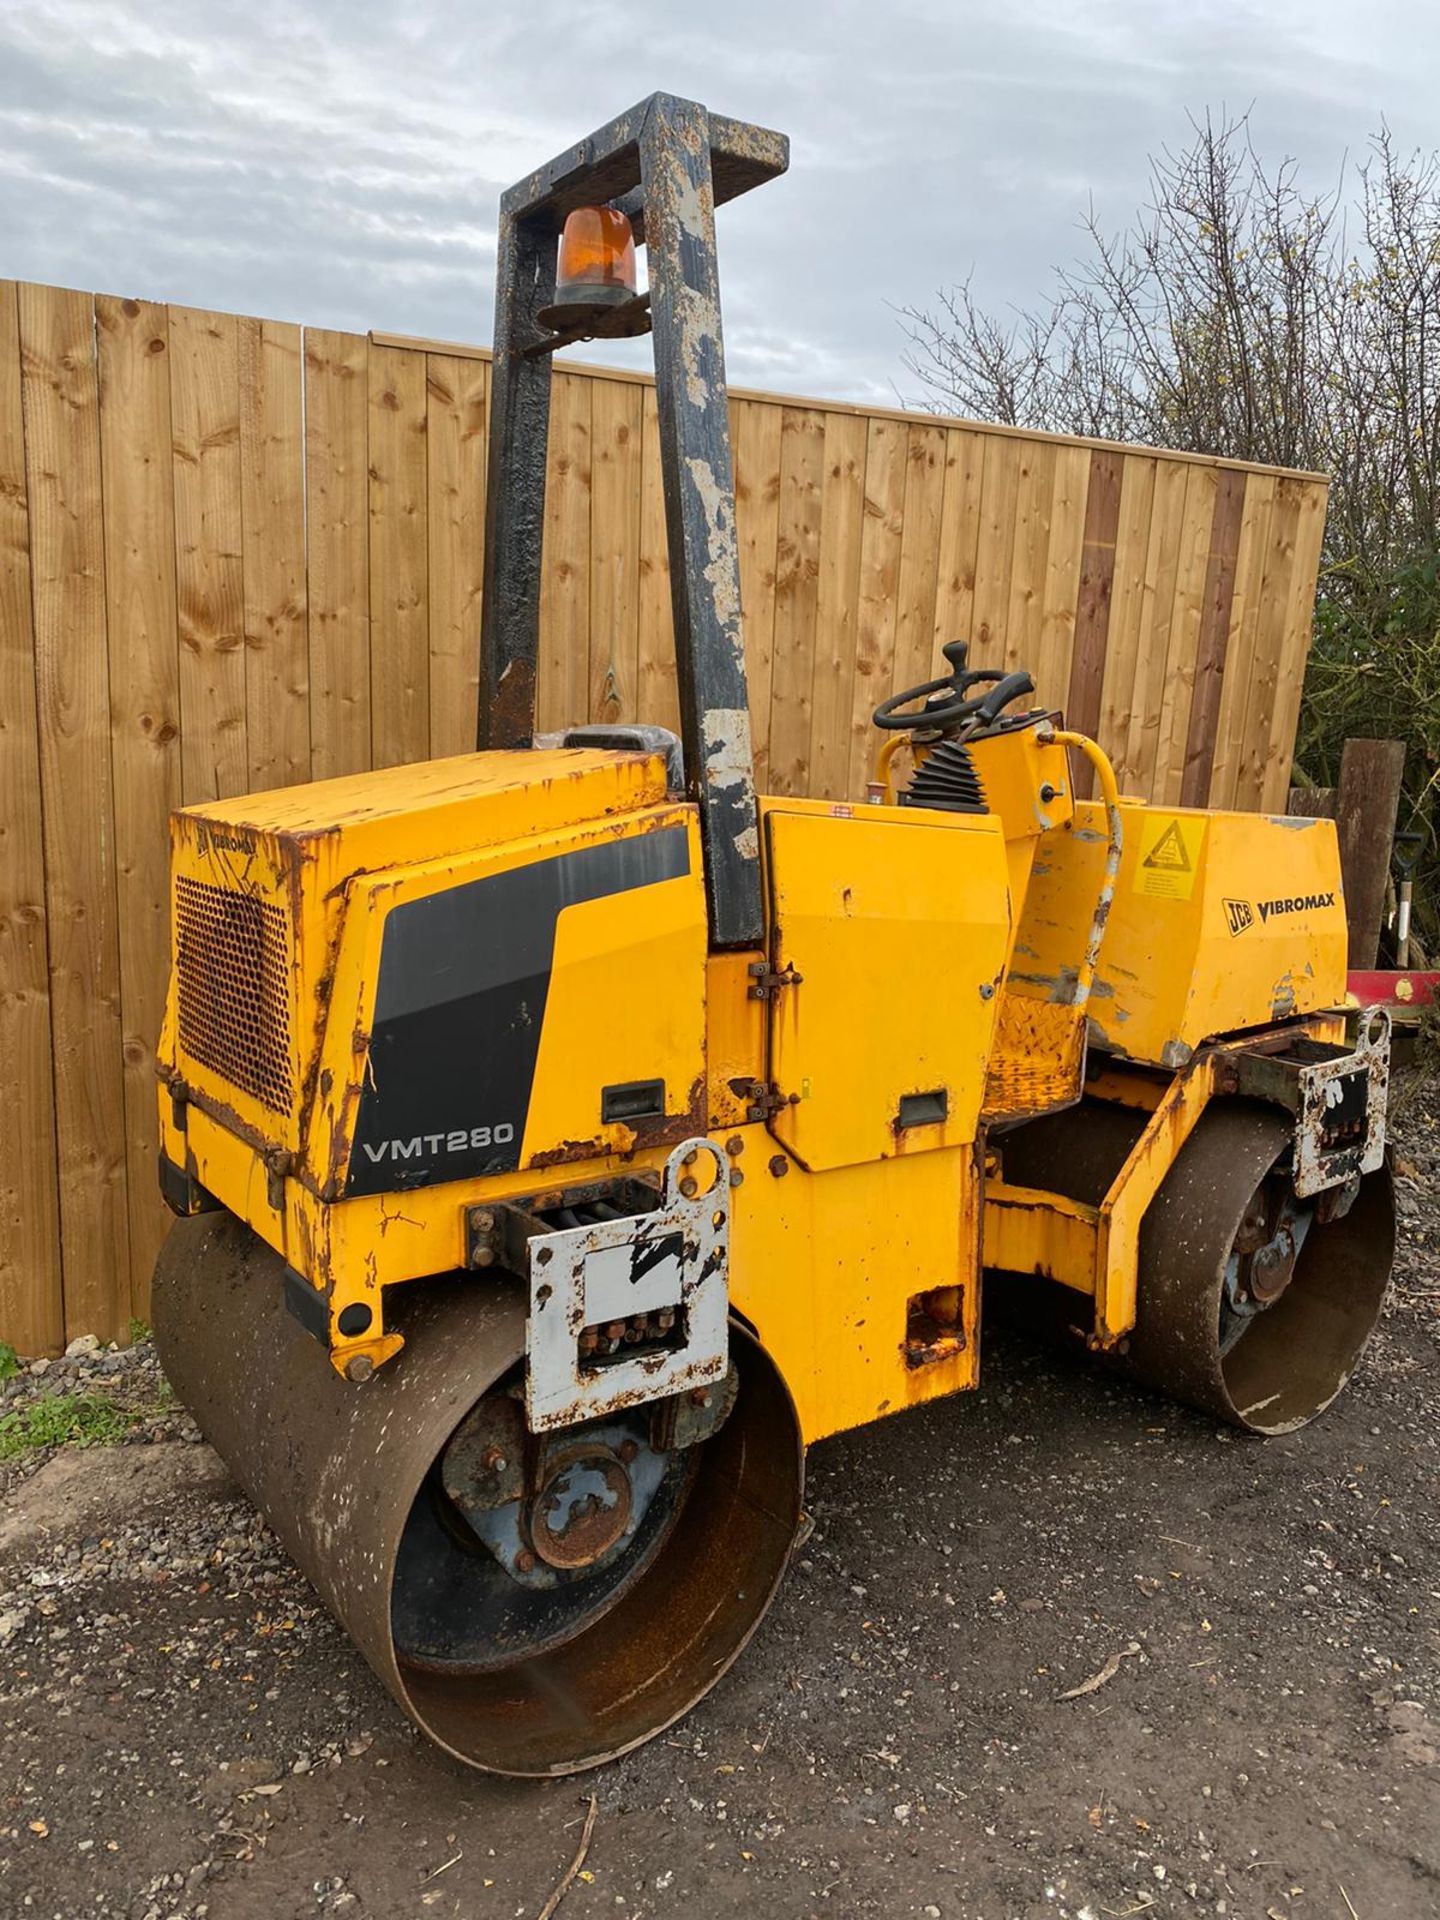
339 164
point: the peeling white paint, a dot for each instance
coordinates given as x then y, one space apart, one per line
727 747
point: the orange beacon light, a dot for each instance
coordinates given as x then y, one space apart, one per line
596 267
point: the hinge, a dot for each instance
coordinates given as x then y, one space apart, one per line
764 981
763 1099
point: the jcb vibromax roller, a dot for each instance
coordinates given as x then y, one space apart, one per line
568 1136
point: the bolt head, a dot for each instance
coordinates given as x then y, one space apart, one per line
359 1367
525 1561
483 1257
689 1186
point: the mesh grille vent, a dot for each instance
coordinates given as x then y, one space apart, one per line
232 970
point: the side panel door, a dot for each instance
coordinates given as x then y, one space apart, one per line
532 1004
898 928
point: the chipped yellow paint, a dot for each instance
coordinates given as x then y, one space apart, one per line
864 905
1259 937
937 955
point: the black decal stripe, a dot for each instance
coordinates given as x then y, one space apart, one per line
460 1004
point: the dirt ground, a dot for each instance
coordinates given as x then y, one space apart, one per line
186 1734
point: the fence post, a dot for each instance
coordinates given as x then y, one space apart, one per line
1366 803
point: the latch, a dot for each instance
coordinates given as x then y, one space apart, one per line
764 981
763 1098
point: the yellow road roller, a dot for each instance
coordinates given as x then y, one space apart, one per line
565 1136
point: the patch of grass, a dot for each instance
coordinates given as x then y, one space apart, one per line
66 1419
9 1361
139 1332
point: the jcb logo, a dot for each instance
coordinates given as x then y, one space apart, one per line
1240 914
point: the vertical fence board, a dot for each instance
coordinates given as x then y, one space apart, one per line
1185 625
659 701
881 536
1054 652
1030 554
1091 645
399 559
1137 732
1294 648
755 432
616 454
337 550
139 520
1241 640
564 667
1281 553
272 523
797 592
32 1315
959 543
1212 645
919 554
994 554
209 580
837 609
67 548
455 502
1128 612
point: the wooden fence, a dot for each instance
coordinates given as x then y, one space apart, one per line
234 555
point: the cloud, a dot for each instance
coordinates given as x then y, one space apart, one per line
340 164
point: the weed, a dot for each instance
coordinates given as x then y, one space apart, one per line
66 1419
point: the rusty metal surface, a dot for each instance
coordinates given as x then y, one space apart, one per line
699 489
607 166
582 1508
1037 1061
519 434
1294 1357
673 1258
337 1471
1337 1095
669 163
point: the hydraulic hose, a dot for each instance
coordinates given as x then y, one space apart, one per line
888 750
1110 795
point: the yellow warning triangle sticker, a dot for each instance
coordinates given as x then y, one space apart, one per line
1168 858
1170 850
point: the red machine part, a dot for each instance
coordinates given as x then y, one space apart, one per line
1403 991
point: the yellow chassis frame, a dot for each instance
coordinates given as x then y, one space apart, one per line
1095 1250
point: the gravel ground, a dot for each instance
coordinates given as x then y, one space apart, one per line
186 1734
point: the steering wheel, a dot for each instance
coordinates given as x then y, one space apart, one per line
950 702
